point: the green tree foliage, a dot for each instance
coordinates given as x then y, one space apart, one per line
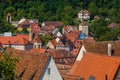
62 10
7 67
45 38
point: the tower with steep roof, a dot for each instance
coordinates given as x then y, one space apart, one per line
8 18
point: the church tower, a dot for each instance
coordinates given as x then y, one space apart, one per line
84 27
8 18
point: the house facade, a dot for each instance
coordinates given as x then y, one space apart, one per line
84 15
51 72
20 41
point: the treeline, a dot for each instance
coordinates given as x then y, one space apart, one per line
60 10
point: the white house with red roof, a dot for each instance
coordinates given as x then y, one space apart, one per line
84 15
19 41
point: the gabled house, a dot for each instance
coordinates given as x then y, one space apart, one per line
84 15
56 33
52 23
25 23
109 48
52 43
67 29
64 44
72 35
19 41
62 56
35 66
96 67
50 26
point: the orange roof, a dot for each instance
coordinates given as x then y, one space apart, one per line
18 39
96 65
73 35
41 50
54 42
29 66
35 28
56 24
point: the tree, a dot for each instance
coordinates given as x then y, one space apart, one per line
7 67
92 8
45 38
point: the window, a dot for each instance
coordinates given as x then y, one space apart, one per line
49 71
91 78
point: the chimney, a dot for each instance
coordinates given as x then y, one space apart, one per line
109 49
30 32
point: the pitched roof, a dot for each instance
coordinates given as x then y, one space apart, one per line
18 39
73 35
98 66
85 12
26 22
35 28
36 38
61 53
29 66
67 28
40 50
54 42
56 24
102 47
113 25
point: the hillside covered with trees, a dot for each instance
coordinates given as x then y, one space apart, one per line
66 12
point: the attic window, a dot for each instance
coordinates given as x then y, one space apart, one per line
49 71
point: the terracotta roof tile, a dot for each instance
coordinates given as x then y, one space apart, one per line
73 35
56 24
54 42
96 65
35 28
18 39
102 47
29 66
38 50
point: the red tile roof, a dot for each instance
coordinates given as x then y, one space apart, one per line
62 56
102 47
73 35
35 28
56 24
41 50
54 42
18 39
29 66
113 25
67 28
96 65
